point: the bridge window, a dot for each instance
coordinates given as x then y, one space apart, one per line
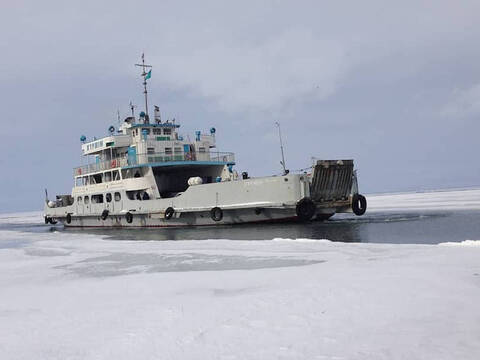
108 176
78 181
116 175
167 131
132 173
96 179
118 197
157 131
150 150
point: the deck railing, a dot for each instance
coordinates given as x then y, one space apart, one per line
146 159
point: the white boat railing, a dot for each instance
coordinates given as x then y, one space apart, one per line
155 158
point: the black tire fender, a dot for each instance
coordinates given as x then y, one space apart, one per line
305 209
129 217
216 214
169 212
104 214
359 204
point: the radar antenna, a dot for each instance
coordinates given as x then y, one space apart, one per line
146 75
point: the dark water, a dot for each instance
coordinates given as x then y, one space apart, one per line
399 228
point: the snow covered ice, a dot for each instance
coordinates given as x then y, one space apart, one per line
77 295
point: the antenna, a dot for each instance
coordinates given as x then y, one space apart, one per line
285 171
118 117
132 107
145 77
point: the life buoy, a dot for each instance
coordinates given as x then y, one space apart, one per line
169 212
359 204
129 217
104 214
68 218
305 209
216 214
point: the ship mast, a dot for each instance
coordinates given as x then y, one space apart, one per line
146 75
285 171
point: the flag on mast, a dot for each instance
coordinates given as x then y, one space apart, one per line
149 75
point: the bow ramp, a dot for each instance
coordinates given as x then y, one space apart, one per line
332 180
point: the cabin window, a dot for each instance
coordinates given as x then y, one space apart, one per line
167 131
85 180
97 199
116 175
79 199
136 131
126 174
96 179
131 173
108 176
168 151
150 150
177 150
157 131
86 200
108 197
118 197
201 149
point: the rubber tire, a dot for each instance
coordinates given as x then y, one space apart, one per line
129 217
359 204
258 211
216 214
169 212
68 219
305 209
104 214
47 220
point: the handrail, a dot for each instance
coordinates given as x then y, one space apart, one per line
142 159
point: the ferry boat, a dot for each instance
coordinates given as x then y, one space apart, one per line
145 174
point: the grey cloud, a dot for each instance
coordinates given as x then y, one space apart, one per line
393 85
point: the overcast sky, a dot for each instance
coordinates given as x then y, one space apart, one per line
393 85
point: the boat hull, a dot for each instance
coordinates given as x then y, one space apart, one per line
202 218
258 200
